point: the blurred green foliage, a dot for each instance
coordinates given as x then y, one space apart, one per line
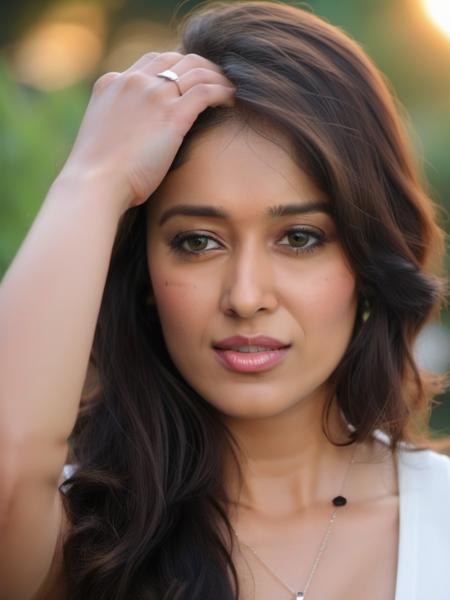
37 131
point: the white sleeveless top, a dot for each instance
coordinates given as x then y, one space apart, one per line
423 571
424 542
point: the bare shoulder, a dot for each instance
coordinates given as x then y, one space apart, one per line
54 585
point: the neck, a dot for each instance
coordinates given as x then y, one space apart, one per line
287 461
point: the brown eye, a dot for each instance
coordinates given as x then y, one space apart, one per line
192 244
196 243
298 239
302 240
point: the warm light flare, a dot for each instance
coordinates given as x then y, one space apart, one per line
63 48
57 55
439 13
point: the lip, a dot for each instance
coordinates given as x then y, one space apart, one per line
250 362
264 341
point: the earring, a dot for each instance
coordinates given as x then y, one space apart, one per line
366 310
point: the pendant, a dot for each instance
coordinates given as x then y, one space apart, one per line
340 501
299 596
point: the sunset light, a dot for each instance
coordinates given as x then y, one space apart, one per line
439 13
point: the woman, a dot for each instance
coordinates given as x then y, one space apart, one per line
252 421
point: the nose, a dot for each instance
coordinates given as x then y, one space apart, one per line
248 284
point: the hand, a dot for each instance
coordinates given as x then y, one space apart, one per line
135 121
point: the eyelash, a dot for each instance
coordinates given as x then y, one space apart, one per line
176 243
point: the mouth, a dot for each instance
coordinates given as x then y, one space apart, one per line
250 354
250 359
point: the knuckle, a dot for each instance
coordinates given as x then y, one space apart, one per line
150 55
135 79
104 80
200 72
203 90
172 55
193 57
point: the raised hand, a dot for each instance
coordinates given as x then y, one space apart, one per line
136 120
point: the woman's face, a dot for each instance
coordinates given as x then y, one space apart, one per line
240 243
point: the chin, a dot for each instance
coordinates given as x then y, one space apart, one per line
253 408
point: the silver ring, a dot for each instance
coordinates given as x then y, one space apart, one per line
171 76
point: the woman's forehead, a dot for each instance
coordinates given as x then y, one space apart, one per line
232 168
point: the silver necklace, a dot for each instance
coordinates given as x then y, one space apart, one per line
337 501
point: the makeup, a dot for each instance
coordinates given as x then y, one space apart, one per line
250 362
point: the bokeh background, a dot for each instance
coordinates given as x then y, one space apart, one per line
51 52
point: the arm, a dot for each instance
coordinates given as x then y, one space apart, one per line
49 302
51 295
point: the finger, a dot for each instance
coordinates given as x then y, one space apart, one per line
201 75
182 64
192 69
199 97
190 61
104 80
158 61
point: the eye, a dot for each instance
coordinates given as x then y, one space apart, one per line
300 241
192 243
303 240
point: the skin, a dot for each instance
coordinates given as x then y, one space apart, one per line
252 281
247 278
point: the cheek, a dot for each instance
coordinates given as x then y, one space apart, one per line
183 305
329 298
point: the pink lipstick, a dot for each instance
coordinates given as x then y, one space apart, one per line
245 354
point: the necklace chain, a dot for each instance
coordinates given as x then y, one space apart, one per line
302 595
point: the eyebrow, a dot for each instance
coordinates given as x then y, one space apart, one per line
280 210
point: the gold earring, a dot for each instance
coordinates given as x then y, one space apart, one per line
366 310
